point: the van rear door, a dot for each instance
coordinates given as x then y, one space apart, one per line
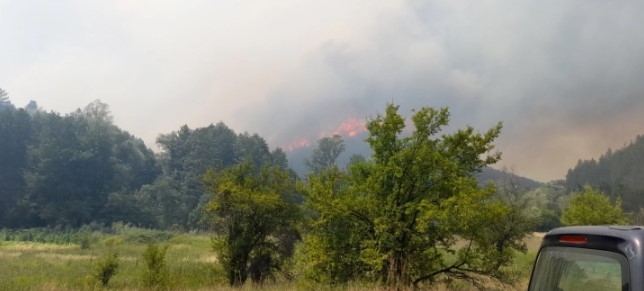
590 258
574 268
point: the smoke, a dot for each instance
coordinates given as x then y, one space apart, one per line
563 76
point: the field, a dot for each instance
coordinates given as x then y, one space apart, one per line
55 260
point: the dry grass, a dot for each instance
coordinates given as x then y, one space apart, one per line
66 257
533 241
44 266
35 247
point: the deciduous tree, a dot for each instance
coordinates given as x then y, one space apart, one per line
254 210
15 134
413 213
592 207
326 153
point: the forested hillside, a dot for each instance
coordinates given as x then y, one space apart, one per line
396 217
80 168
493 175
618 173
68 170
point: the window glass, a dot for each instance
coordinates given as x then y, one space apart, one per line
569 269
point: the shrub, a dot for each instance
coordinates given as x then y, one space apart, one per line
84 241
140 235
106 268
156 273
592 207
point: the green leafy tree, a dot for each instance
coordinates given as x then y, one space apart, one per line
518 218
355 159
254 210
278 159
32 107
326 154
63 183
4 96
592 207
5 103
188 154
98 111
76 162
333 247
15 134
253 148
413 213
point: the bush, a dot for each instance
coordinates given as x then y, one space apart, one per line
84 241
592 207
56 235
106 268
156 274
140 235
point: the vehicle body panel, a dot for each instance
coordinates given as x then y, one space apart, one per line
623 240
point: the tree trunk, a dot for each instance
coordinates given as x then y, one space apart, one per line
397 270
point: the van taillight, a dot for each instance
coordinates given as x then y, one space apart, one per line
573 239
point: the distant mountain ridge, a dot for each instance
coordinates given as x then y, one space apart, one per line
493 175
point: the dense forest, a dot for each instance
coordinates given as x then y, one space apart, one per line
618 173
79 168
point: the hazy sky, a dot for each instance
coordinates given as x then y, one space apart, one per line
565 77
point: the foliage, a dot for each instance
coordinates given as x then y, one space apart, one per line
517 218
188 154
331 251
617 173
326 154
413 213
254 210
85 242
491 175
15 133
156 272
57 235
190 264
73 163
79 168
548 201
592 207
106 268
30 265
3 96
4 101
140 235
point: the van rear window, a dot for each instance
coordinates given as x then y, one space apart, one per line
571 268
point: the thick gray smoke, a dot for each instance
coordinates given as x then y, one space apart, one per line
563 76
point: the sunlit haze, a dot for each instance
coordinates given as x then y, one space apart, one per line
564 77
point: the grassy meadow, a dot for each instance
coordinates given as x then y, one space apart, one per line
45 259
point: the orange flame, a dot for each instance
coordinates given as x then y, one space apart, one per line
298 144
350 128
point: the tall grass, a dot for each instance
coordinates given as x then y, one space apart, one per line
56 235
59 263
53 259
156 274
106 268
